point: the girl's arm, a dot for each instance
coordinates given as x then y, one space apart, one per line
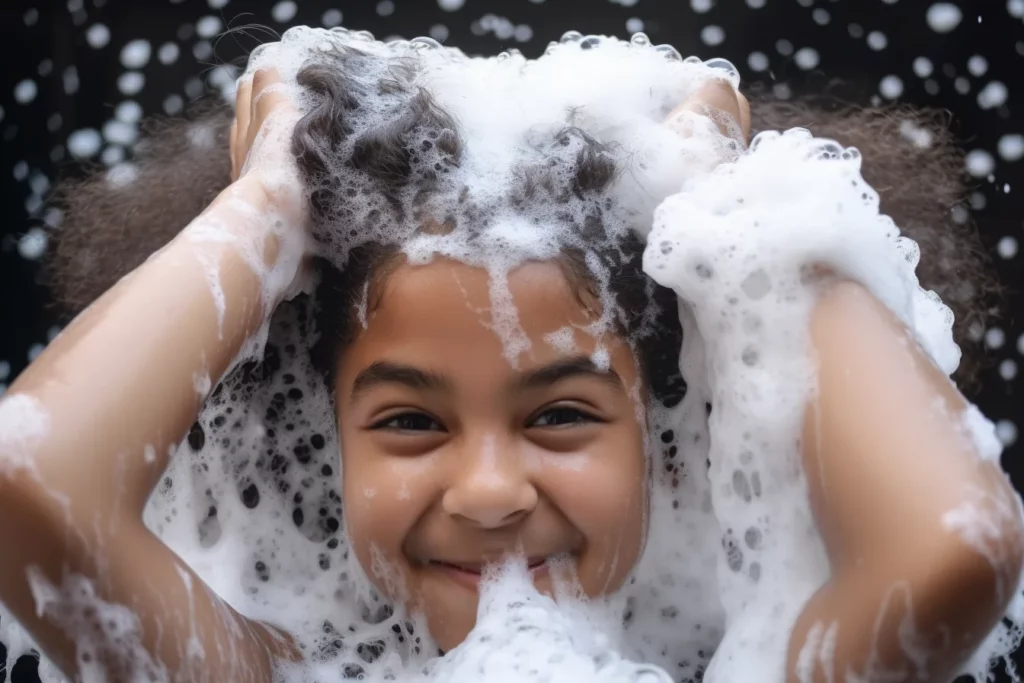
893 477
85 433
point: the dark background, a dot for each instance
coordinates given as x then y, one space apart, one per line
75 76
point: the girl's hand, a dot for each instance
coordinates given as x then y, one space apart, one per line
723 104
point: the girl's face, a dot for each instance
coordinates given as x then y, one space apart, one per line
454 457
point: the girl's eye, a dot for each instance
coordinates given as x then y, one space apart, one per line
562 417
410 422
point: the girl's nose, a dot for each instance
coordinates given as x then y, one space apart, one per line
490 487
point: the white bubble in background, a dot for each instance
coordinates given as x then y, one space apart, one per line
122 174
173 104
1 113
919 136
131 82
977 65
807 58
20 170
33 243
993 95
978 200
217 4
208 26
168 53
625 3
202 50
25 91
439 32
71 81
962 85
284 11
34 351
112 154
782 91
855 30
712 35
97 35
756 4
1007 247
450 5
5 370
923 67
1015 8
135 54
45 67
891 87
634 25
54 122
821 16
943 17
995 338
757 61
1011 146
1020 344
385 8
128 111
784 47
877 41
1006 430
524 33
931 86
119 133
332 18
701 6
194 88
1008 369
84 143
31 17
979 163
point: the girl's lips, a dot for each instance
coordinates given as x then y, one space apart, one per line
470 576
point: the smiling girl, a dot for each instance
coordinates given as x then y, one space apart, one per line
475 420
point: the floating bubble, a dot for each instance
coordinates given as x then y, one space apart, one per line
131 82
943 17
757 61
712 35
32 244
128 111
1008 369
979 163
877 41
891 87
98 35
993 95
84 143
1011 146
977 65
25 91
135 54
70 78
1015 8
995 338
385 8
634 25
701 6
173 104
331 18
784 47
284 11
1006 430
1007 247
208 26
807 58
5 370
439 32
451 5
168 53
821 16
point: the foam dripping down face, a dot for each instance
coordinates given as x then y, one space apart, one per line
351 542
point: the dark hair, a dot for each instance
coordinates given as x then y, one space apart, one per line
109 229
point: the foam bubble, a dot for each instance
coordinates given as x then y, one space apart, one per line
135 54
85 142
980 163
25 91
993 95
97 35
943 17
891 87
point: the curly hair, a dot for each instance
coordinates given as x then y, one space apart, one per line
109 228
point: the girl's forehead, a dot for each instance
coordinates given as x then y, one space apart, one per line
449 313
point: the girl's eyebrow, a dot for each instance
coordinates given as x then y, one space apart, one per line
384 372
567 367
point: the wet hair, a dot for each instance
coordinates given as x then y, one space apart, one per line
110 228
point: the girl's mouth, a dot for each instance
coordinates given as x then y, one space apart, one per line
469 574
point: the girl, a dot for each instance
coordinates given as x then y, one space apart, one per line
480 438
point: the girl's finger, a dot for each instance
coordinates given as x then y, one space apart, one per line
233 150
745 118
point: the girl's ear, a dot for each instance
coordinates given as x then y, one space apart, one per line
110 225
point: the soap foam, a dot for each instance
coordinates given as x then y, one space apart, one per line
732 552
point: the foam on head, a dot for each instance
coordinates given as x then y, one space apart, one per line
488 171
